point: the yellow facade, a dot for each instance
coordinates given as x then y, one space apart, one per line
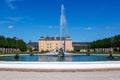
53 44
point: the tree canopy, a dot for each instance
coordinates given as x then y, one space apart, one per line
106 42
12 43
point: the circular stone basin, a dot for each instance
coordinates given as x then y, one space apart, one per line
50 63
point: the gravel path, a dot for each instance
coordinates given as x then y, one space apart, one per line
102 75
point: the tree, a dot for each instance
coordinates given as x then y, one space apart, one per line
12 43
106 42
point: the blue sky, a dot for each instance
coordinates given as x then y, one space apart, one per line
87 20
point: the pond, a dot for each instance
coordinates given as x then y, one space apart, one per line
56 58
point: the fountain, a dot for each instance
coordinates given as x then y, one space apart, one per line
62 24
61 52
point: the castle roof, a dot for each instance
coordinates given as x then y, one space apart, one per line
55 38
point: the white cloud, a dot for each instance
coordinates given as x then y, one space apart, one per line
10 27
10 3
88 28
14 19
9 20
51 27
5 22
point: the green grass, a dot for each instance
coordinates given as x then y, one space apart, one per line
93 52
73 52
23 53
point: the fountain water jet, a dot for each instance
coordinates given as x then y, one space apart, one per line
62 25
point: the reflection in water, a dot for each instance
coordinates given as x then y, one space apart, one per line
47 58
62 58
54 58
88 54
110 57
31 54
16 57
1 57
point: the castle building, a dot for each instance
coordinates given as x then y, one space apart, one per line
33 45
53 44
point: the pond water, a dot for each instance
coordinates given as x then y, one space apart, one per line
55 58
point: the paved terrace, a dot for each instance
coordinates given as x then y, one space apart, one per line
102 75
